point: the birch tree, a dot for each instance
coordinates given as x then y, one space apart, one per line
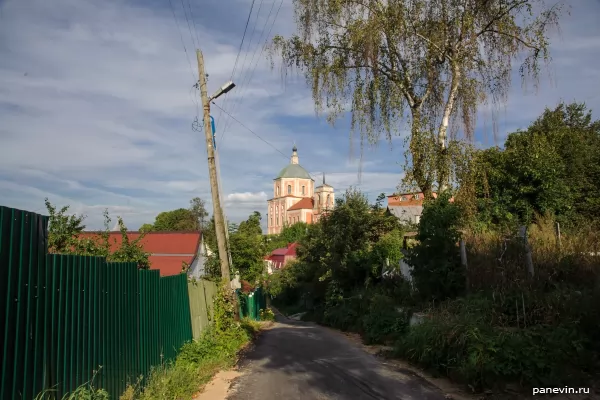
429 64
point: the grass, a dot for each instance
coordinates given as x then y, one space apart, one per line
197 362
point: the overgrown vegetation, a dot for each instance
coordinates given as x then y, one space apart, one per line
65 237
493 321
198 361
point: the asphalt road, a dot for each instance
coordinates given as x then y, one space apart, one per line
299 360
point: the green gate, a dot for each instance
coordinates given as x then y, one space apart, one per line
252 303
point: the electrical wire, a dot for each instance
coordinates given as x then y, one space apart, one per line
194 22
250 130
237 57
182 42
188 24
251 75
236 101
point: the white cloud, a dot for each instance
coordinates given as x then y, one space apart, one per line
96 104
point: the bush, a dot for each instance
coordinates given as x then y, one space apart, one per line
199 360
466 347
383 322
437 271
267 315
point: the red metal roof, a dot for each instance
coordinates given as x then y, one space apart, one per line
290 250
305 203
168 249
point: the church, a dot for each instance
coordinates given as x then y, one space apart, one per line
295 198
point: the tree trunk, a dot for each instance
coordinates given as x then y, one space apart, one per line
443 165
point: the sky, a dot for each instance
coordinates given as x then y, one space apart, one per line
97 106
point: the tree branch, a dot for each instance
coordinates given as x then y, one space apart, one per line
523 42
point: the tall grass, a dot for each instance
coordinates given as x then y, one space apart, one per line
512 327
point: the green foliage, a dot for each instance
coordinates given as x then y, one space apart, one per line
267 315
86 391
437 271
64 238
427 61
198 361
383 322
63 228
289 234
553 168
176 220
181 219
463 345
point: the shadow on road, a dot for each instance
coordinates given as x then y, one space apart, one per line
299 360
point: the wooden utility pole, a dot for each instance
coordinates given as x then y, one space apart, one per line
212 172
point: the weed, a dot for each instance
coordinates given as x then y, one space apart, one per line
267 315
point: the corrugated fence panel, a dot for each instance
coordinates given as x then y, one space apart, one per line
68 319
201 295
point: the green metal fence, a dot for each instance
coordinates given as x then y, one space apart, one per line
66 316
252 303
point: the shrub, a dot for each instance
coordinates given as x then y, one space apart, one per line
267 315
383 322
466 347
437 270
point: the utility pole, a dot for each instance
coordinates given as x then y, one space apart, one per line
212 172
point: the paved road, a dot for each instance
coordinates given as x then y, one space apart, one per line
298 360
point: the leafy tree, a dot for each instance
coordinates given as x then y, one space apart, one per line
146 228
64 238
198 209
425 62
437 270
64 229
289 234
346 246
176 220
247 248
551 168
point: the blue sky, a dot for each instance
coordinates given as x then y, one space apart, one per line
96 108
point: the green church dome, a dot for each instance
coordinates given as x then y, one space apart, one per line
293 171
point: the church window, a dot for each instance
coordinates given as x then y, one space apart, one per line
271 221
303 190
277 190
289 189
328 200
277 220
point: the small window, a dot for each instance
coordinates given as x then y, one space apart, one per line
417 196
303 190
277 190
403 198
289 189
277 220
271 221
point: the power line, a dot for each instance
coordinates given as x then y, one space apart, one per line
182 42
251 74
194 22
227 121
188 24
250 130
238 56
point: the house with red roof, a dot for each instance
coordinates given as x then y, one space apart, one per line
168 250
280 257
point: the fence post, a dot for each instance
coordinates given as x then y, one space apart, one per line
463 261
558 238
528 257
